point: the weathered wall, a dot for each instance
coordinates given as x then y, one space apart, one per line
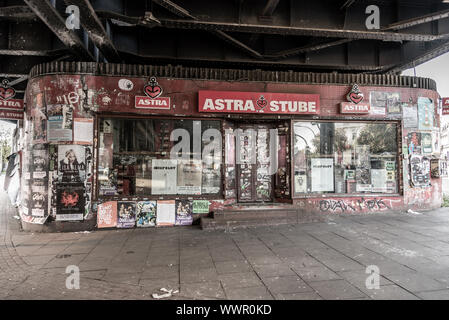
88 96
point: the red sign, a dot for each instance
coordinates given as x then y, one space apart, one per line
258 102
347 107
13 104
445 102
150 103
445 106
11 115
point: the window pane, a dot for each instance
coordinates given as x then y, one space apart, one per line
134 158
345 157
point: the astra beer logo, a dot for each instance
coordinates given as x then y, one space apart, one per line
354 106
355 96
254 102
6 92
153 99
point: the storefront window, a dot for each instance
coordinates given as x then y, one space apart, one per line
135 160
345 157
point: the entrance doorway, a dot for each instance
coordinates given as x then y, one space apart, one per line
254 155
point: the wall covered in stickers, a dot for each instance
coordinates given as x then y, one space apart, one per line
60 159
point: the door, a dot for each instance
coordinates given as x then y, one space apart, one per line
254 179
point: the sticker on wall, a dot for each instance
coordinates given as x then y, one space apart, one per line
126 214
200 206
71 163
125 84
146 214
166 213
409 116
107 214
183 212
426 143
38 120
414 142
425 113
420 170
83 130
70 202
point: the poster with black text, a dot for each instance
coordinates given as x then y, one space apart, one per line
70 202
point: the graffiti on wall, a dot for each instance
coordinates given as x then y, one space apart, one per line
356 205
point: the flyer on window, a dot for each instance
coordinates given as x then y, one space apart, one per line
322 174
166 213
164 176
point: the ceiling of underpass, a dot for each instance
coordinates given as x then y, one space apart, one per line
320 35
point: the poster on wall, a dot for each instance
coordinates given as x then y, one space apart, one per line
394 103
184 212
425 113
83 130
409 116
126 214
420 170
39 201
164 176
146 214
189 177
322 175
414 142
107 214
59 122
200 206
166 213
39 120
70 202
71 163
40 161
426 143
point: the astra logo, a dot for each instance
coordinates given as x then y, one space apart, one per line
248 105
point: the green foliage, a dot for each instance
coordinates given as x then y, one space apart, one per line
380 137
445 202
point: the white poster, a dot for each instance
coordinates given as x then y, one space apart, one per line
322 175
164 176
379 180
83 130
166 213
189 176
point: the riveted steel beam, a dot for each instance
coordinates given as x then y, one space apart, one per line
92 24
418 20
48 14
174 8
18 13
300 31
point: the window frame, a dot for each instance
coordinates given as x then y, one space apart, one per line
399 155
97 196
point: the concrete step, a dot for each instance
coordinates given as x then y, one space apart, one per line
225 220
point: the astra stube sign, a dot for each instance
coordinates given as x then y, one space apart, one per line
258 102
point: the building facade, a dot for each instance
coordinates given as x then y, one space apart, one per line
126 145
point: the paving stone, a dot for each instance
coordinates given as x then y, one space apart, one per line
434 295
319 273
198 275
390 292
238 266
252 293
160 272
336 290
239 280
210 289
274 270
298 296
416 282
287 284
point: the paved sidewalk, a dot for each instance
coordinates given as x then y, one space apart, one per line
310 261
